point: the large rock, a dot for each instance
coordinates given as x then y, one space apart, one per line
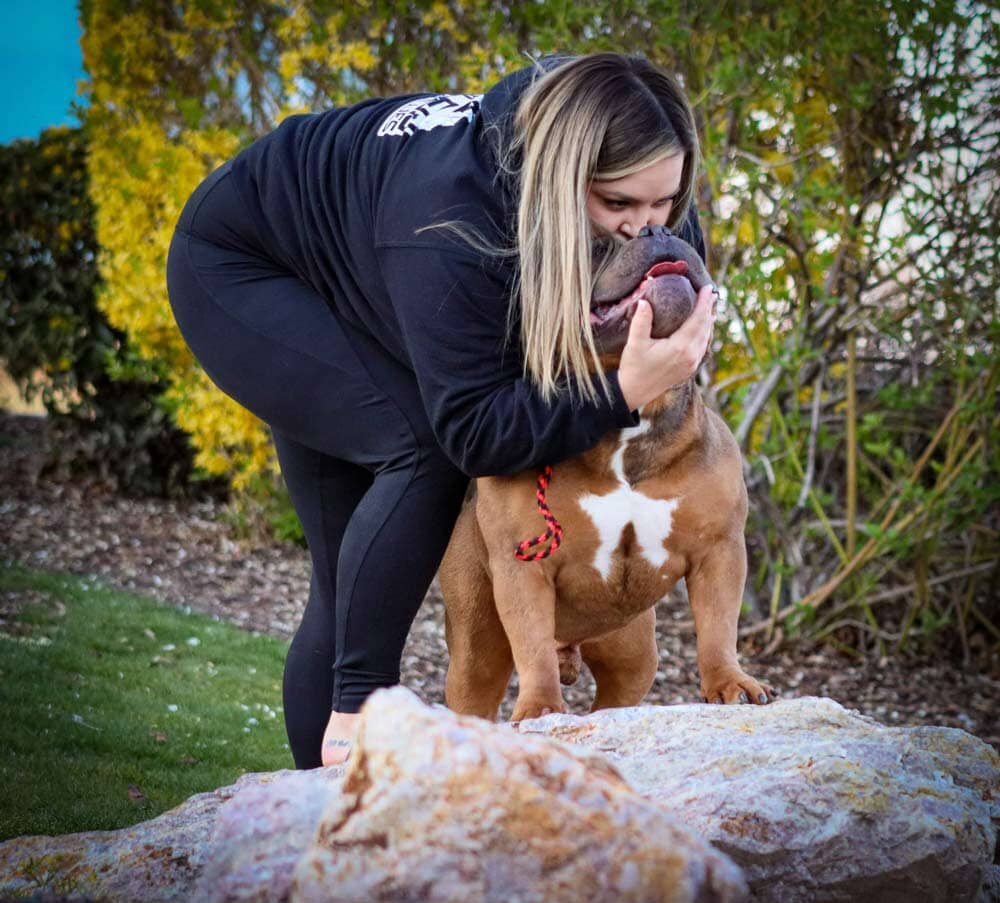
813 801
437 807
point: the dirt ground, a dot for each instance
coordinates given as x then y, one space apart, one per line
187 555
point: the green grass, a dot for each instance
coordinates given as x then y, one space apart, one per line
115 708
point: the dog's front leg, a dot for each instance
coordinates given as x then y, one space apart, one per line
715 587
526 603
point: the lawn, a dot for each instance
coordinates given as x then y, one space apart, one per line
115 708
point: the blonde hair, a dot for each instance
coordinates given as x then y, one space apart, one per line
592 118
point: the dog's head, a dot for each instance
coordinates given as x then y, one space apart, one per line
656 265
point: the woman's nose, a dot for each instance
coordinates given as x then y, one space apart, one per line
632 228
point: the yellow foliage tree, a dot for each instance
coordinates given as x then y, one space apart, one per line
178 89
146 157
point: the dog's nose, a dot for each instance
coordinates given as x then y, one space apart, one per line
650 231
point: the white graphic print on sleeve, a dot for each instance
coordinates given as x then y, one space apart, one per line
426 113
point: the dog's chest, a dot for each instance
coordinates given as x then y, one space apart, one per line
611 513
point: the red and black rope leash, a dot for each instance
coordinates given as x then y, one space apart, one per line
553 530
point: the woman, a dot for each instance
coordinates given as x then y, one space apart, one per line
401 290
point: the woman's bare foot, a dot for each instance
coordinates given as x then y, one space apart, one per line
337 738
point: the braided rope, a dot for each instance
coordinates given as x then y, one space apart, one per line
553 532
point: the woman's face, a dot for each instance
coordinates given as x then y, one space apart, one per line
624 206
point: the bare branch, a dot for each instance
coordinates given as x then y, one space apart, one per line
762 392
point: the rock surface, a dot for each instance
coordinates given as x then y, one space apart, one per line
260 834
812 801
240 842
154 860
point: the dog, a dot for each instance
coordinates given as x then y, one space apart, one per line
628 519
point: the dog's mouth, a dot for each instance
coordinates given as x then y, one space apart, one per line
603 311
656 265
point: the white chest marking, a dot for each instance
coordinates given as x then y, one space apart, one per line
652 519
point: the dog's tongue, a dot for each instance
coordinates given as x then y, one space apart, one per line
667 268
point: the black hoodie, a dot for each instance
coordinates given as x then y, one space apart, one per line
340 196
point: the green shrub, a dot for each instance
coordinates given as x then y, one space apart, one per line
57 345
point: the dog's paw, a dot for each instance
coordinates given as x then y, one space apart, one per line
536 708
736 687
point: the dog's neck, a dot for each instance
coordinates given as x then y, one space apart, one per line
667 429
667 413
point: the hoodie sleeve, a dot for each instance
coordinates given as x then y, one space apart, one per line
490 420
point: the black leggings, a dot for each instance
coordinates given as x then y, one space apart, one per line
376 496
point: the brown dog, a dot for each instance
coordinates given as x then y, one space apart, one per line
645 507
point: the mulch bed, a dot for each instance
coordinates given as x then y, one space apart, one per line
187 554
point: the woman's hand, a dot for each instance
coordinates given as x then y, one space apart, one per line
650 366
